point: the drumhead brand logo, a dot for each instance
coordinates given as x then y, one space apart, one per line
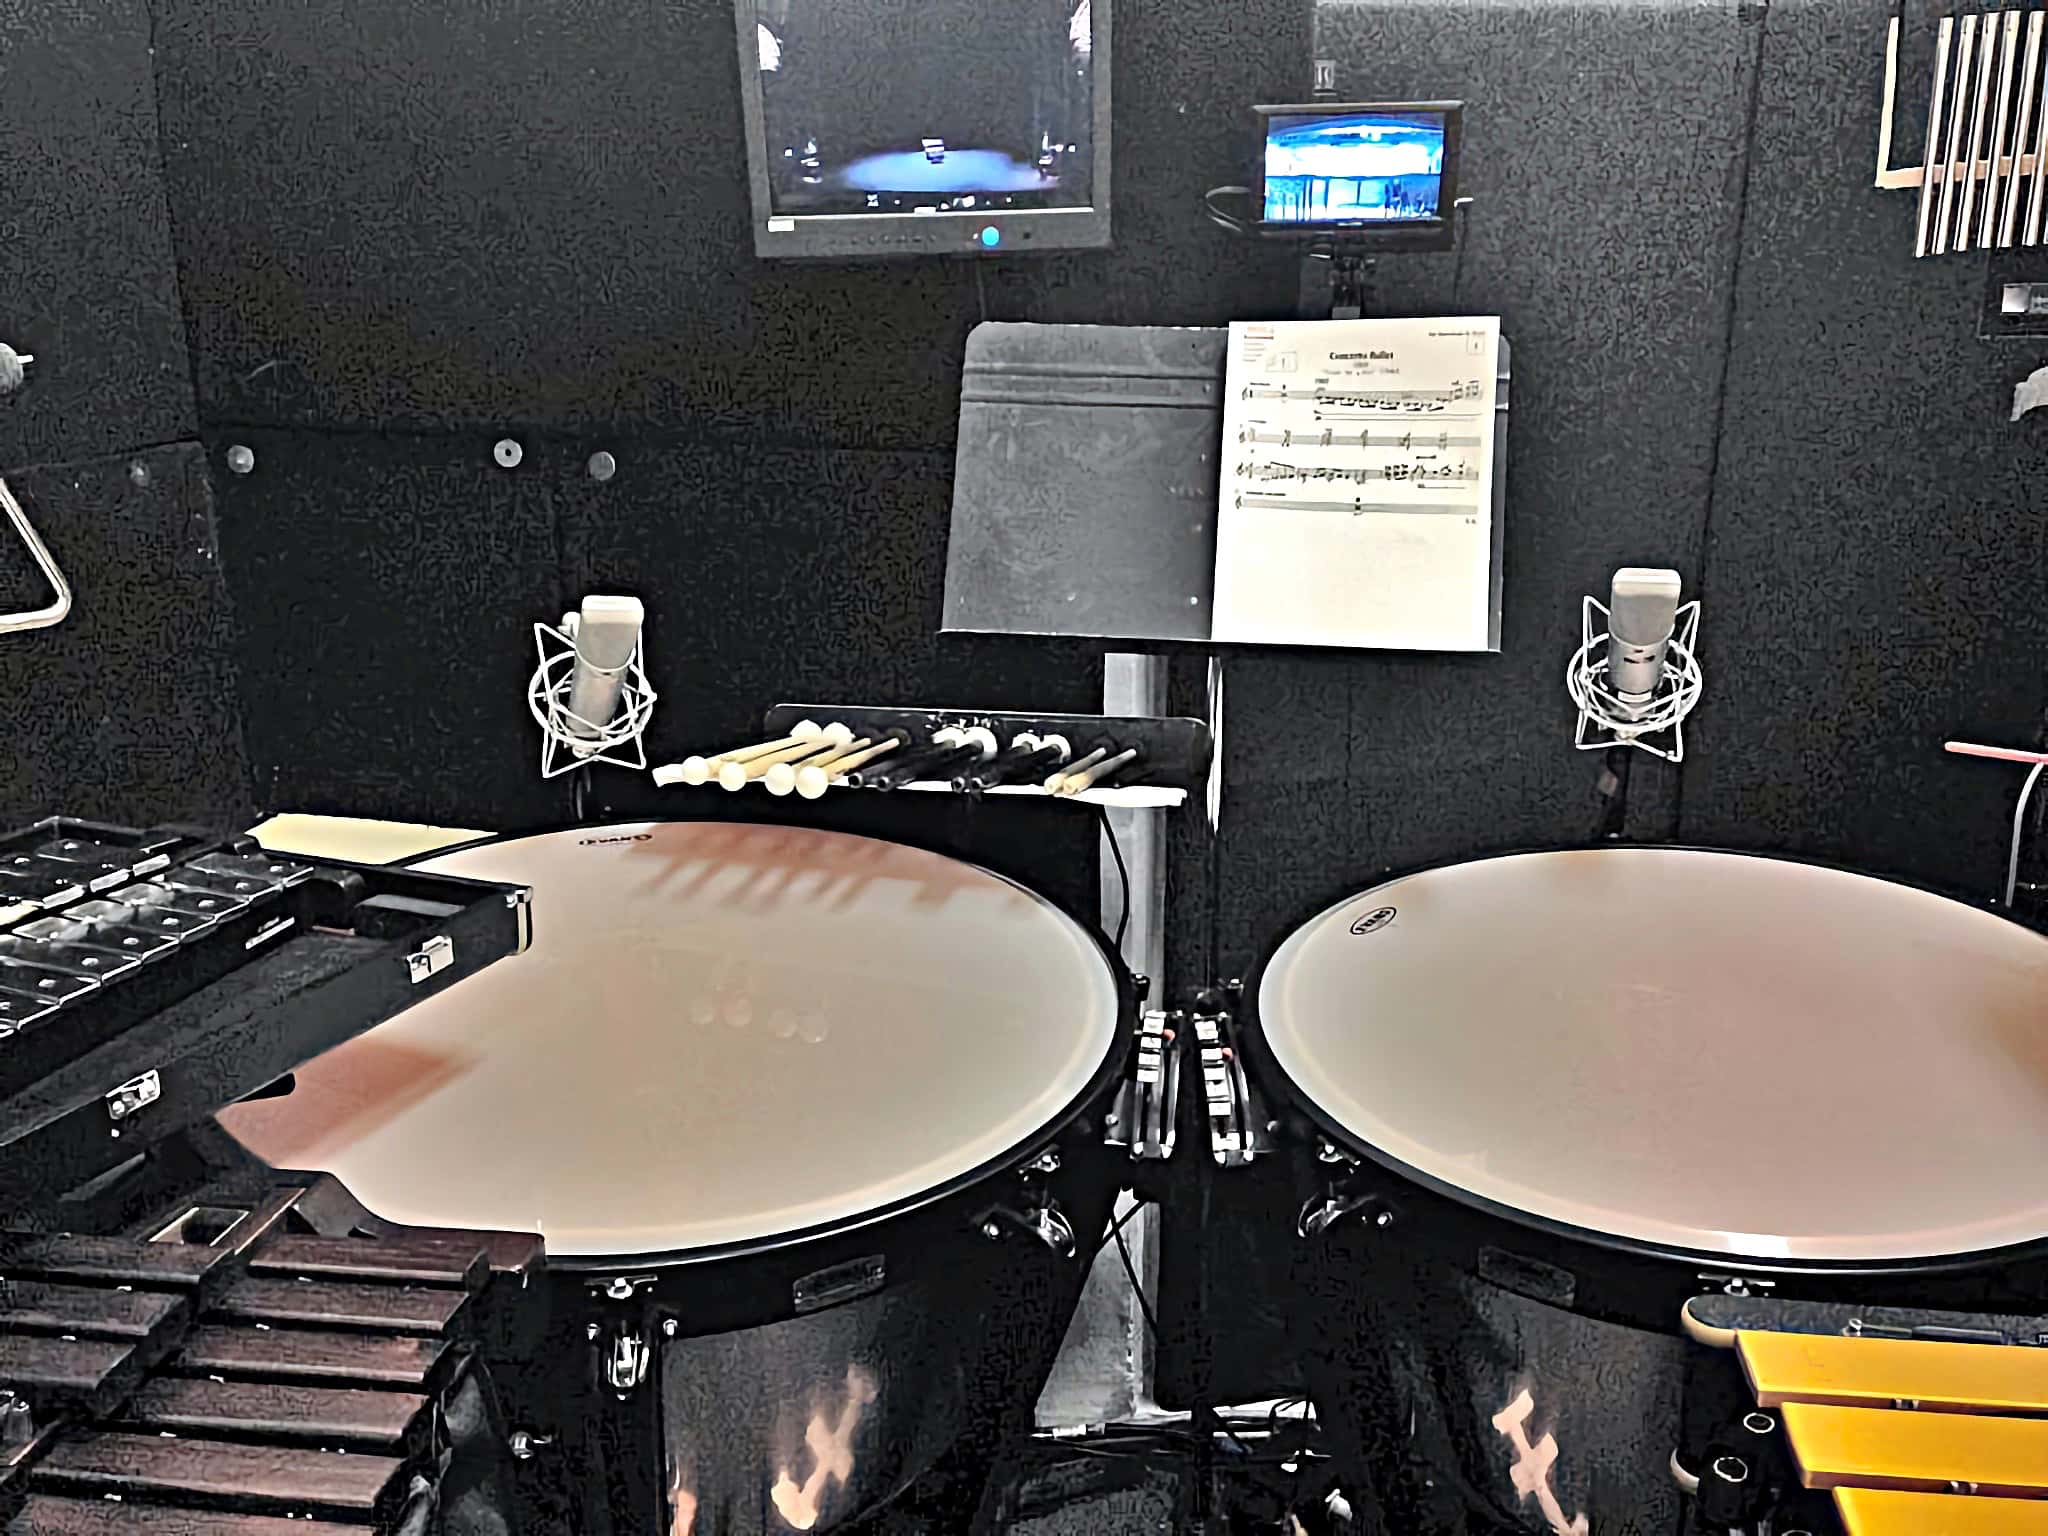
1374 920
623 837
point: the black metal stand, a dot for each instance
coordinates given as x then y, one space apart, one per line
1615 766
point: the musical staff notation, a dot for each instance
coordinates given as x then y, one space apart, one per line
1270 501
1424 473
1406 442
1358 504
1389 399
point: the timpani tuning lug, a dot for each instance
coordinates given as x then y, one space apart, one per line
627 1357
1739 1285
524 1444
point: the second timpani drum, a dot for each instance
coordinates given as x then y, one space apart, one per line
812 1126
1556 1094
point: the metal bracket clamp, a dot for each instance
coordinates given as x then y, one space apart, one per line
622 1355
1238 1129
17 1423
1045 1221
1148 1103
627 1357
55 612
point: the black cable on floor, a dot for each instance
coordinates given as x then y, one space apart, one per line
1123 1252
1123 922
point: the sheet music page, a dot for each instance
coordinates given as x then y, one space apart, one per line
1357 485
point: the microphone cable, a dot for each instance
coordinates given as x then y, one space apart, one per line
1221 217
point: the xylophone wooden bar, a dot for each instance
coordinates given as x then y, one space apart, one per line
1876 1373
1917 1452
281 1381
49 1515
1887 1512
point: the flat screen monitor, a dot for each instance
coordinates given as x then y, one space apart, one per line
908 127
1376 173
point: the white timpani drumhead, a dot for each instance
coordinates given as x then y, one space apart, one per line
722 1033
1725 1053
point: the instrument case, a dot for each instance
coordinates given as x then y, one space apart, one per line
362 944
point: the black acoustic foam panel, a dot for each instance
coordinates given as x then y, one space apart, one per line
776 573
87 284
1602 148
1875 558
386 590
398 214
127 710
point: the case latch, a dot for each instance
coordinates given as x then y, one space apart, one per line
135 1095
431 958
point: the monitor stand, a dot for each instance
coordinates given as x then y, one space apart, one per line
1335 284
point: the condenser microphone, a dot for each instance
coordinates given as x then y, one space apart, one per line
607 630
1642 612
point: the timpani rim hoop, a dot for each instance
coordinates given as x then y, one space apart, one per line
1099 1082
1466 1208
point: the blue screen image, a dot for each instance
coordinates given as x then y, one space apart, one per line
1357 167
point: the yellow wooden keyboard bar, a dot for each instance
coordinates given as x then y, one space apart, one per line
1884 1448
1882 1512
1876 1373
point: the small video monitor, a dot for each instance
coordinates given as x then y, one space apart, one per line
1381 174
906 127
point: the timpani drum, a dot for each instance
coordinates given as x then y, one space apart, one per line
1545 1098
812 1125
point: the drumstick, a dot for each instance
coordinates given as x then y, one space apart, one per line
702 770
1089 761
2001 754
781 779
734 775
1080 783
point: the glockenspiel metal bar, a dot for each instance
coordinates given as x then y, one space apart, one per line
1943 39
1987 47
2030 67
2008 49
1944 210
2037 194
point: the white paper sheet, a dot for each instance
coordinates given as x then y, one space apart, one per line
1357 484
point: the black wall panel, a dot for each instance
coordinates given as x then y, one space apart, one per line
775 573
780 573
1603 150
386 590
87 284
127 710
1875 562
405 214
